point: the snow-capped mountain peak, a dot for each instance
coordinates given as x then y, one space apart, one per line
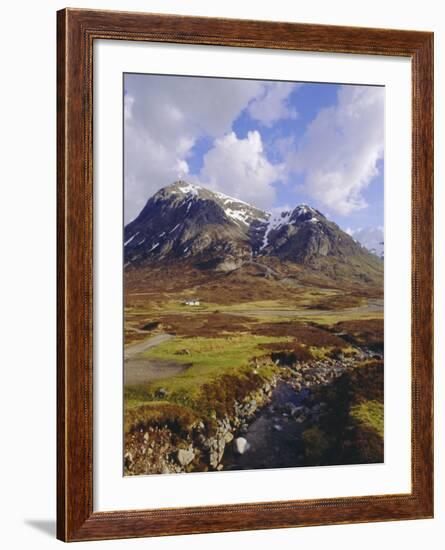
185 221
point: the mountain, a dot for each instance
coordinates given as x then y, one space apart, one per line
186 222
305 234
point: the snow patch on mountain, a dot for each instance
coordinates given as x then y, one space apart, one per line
154 246
238 215
188 188
275 221
128 241
226 199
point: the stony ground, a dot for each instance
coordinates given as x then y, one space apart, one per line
266 430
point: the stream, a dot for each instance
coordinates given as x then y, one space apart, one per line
274 437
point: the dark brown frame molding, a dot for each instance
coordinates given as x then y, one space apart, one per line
76 32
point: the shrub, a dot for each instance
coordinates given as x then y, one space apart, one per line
362 332
151 326
297 353
177 418
316 445
369 414
303 333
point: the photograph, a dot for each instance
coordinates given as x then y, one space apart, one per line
222 229
253 262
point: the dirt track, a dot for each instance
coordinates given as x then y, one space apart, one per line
139 370
133 350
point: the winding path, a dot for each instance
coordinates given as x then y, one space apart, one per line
136 349
140 370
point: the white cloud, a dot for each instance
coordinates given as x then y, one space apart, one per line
239 168
273 105
340 149
164 117
370 237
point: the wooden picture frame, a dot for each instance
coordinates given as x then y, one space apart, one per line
77 31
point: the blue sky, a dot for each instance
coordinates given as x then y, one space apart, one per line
272 144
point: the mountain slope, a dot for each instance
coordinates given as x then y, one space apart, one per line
188 223
372 238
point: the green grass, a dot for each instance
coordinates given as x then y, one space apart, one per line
370 415
326 352
328 318
219 373
219 357
209 359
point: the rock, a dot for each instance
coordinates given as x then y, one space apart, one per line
185 456
277 428
128 461
206 442
240 445
146 436
297 412
229 265
184 351
289 407
216 450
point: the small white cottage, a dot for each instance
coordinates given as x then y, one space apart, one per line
192 302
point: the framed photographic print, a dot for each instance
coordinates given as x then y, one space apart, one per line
245 228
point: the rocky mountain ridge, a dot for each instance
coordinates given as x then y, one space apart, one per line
184 221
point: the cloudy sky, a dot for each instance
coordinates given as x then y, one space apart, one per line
273 144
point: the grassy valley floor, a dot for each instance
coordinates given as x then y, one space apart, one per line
267 371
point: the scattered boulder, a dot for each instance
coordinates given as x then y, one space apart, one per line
128 461
184 351
185 456
297 411
216 446
289 408
161 393
240 445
